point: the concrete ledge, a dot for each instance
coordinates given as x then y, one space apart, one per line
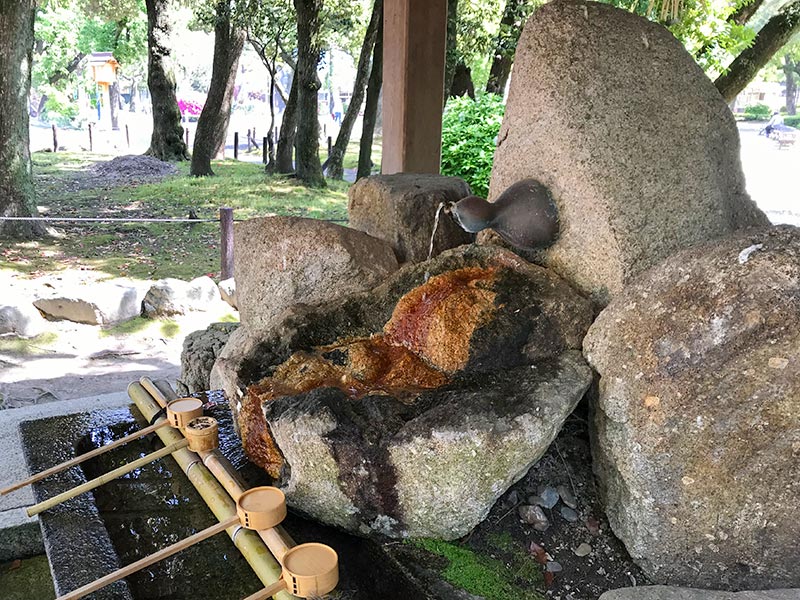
20 536
663 592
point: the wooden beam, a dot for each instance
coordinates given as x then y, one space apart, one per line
415 33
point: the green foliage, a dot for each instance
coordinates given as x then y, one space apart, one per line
469 132
757 112
792 120
60 109
481 575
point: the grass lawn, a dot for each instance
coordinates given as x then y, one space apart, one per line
154 251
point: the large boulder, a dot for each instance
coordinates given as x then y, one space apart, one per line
170 296
200 350
282 261
21 320
101 303
409 409
637 146
401 209
697 427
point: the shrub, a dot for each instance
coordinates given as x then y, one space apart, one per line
757 112
792 120
469 134
59 109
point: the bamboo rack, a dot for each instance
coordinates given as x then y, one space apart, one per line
265 566
277 539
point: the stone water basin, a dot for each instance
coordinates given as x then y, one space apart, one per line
150 508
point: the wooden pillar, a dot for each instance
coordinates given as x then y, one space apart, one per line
415 33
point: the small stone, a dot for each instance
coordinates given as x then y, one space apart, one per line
778 362
592 526
553 567
569 514
583 550
567 496
549 497
534 515
513 498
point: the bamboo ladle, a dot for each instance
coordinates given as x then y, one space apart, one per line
201 434
257 508
179 413
309 571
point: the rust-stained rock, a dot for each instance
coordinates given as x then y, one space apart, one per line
383 393
697 428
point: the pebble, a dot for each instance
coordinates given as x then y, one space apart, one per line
567 497
549 497
569 514
513 498
583 550
592 526
554 566
534 515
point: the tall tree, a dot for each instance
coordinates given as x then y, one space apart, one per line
790 70
334 162
17 198
309 168
284 161
514 16
212 126
768 41
166 142
371 104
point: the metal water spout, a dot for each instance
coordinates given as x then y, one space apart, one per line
524 215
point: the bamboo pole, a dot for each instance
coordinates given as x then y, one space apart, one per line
83 457
277 539
218 500
268 592
105 478
149 560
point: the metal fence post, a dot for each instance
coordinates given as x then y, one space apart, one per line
226 242
264 151
55 139
235 145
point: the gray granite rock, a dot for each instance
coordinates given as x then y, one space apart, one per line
101 303
697 428
401 210
639 150
660 592
282 261
171 296
21 320
200 350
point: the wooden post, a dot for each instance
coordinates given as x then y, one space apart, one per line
264 150
249 145
226 243
186 130
55 139
91 144
235 145
127 135
330 146
413 85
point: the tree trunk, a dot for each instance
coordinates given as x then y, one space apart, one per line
789 67
371 105
769 40
212 126
505 47
309 169
462 82
113 105
132 103
283 157
335 169
17 197
745 12
166 142
451 54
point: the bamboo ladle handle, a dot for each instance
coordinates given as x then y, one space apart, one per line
110 476
269 592
149 560
83 457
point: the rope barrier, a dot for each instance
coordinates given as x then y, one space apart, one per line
130 220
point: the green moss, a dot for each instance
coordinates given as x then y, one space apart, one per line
28 347
229 318
169 329
482 575
29 578
126 327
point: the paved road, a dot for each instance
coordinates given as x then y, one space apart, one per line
773 175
